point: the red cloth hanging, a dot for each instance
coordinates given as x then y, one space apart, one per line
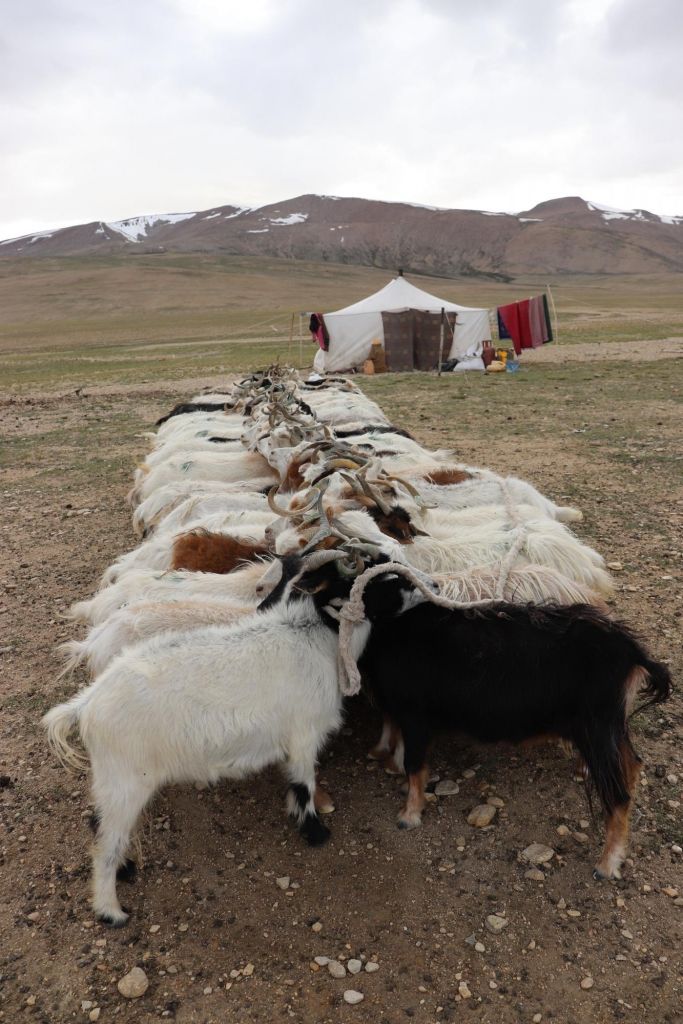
524 323
510 316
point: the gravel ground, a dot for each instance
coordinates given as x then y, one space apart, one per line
230 910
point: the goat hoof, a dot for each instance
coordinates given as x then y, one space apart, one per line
376 754
127 872
409 821
114 921
391 768
314 832
603 876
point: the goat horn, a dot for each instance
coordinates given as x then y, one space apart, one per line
318 558
293 513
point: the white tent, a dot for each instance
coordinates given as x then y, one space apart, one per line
353 329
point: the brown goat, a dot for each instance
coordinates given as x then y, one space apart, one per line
213 552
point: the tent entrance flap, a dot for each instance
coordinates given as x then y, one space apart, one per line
412 339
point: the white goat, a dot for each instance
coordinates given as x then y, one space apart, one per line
227 467
220 702
150 512
142 620
487 489
239 586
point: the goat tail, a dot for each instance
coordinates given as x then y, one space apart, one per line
79 611
649 679
59 722
568 514
75 652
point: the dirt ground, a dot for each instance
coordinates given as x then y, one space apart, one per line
218 938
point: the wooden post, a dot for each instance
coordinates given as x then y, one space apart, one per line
441 335
301 344
289 343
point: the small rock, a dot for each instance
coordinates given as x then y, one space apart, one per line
371 967
672 779
463 990
322 961
495 924
31 1001
675 848
354 966
587 983
94 1014
537 853
336 969
573 913
495 801
537 1018
563 830
183 927
208 990
562 903
534 874
482 815
447 787
670 891
155 928
616 566
469 773
352 997
34 916
134 984
317 926
248 970
480 947
626 933
580 837
282 882
86 1004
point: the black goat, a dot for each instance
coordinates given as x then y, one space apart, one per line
185 407
507 673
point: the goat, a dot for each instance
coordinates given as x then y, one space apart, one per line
154 509
150 585
156 552
201 551
226 467
479 487
507 673
188 407
140 621
219 702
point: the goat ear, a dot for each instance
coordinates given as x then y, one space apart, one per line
384 597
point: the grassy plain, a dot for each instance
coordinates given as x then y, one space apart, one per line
109 319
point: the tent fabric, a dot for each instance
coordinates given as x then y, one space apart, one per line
353 329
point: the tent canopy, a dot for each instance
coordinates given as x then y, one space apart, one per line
353 329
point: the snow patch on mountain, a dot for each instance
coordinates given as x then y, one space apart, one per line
293 218
136 228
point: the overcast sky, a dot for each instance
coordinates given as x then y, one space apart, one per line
111 108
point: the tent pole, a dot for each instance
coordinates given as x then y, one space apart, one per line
301 344
441 334
289 343
552 306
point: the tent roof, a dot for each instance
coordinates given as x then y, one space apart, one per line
400 294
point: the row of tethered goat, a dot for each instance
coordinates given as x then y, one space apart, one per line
294 542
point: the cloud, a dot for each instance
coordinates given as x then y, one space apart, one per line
113 109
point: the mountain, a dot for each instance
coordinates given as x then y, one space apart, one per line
569 235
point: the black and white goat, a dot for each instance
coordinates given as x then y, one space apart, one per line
506 673
218 702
